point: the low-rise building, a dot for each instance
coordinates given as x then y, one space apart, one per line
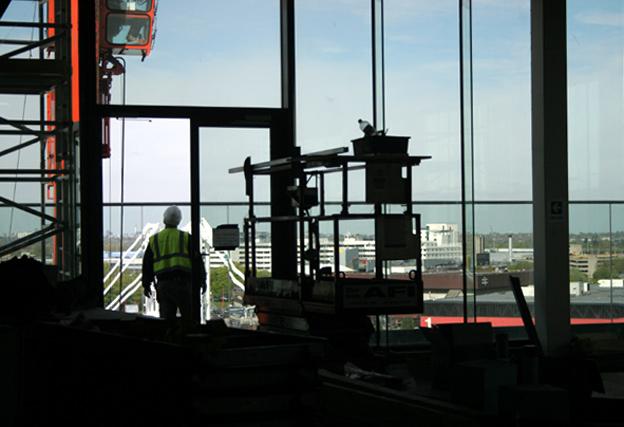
588 263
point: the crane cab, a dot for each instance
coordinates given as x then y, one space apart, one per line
127 26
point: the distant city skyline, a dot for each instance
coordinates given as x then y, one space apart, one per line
501 219
234 61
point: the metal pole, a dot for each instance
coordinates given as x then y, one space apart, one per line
378 260
462 166
195 219
611 309
336 248
122 189
42 145
207 296
378 68
90 157
302 187
345 189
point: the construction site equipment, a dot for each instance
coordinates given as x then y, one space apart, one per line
46 66
319 290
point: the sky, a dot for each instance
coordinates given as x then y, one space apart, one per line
226 53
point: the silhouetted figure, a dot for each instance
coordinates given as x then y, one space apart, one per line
167 262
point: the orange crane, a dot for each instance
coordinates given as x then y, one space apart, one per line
123 27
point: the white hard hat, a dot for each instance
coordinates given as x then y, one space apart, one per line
172 216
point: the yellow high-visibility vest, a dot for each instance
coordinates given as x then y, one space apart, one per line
170 249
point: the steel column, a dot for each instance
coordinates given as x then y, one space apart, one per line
90 158
283 142
378 66
195 220
550 173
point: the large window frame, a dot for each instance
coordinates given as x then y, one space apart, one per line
282 121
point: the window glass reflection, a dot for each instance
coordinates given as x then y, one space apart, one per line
131 6
595 99
334 75
126 30
422 90
232 60
501 104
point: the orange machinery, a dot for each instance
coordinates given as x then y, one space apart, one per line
128 26
123 27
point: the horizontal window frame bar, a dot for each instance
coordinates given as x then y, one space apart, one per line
332 203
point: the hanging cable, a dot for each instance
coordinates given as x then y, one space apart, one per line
123 165
110 210
21 138
19 158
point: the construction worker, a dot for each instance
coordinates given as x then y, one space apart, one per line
168 260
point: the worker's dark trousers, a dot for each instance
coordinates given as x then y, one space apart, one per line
174 294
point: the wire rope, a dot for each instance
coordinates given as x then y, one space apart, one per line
21 137
122 183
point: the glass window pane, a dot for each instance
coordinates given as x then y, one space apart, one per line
422 90
156 163
18 225
503 247
595 130
497 161
591 293
126 30
616 269
501 44
334 77
19 11
207 53
595 99
224 201
131 6
467 147
217 184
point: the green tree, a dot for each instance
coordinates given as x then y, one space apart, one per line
618 266
577 275
604 271
220 283
521 266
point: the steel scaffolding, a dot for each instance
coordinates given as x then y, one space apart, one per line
42 67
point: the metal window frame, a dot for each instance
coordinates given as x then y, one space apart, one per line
378 64
279 121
